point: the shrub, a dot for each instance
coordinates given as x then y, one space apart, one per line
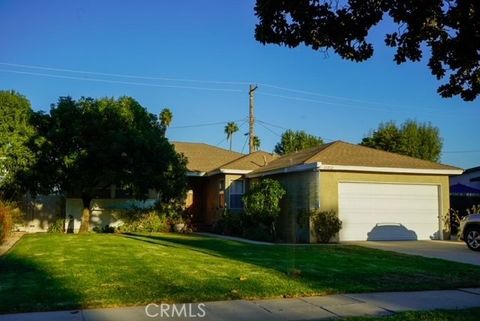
326 224
104 229
6 221
230 224
151 221
262 203
258 233
57 226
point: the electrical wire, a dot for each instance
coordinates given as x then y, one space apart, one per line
218 82
119 81
204 124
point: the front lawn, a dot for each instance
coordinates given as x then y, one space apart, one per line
55 271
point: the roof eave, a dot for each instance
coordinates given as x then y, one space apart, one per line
399 170
290 169
195 174
229 171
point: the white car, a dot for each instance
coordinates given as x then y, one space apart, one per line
470 231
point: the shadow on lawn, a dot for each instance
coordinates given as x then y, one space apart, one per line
25 286
332 268
282 258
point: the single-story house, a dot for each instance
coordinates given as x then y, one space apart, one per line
378 195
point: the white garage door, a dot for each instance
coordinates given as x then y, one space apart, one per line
388 211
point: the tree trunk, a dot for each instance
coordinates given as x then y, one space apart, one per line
85 225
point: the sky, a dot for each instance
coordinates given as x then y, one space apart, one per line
198 58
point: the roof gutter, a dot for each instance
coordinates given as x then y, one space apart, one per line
391 170
291 169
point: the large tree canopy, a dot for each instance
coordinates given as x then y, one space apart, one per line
420 140
92 144
16 133
293 141
450 29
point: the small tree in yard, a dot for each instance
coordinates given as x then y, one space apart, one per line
262 202
326 224
91 144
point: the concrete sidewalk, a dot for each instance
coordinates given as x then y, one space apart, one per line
309 308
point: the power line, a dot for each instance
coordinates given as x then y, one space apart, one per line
318 101
204 124
218 82
273 132
273 125
284 128
118 81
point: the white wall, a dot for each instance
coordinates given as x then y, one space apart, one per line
104 211
39 213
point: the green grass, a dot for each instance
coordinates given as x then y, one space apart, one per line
439 315
55 271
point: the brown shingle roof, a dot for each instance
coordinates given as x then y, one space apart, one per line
203 157
346 154
250 162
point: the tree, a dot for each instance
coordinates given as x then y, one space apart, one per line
450 29
230 129
16 133
166 117
92 144
256 143
293 141
387 137
262 202
420 140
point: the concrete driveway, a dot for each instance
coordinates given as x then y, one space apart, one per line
447 250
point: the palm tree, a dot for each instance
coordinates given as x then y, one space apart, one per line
256 143
165 117
230 129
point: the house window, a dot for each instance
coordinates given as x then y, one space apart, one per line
237 189
221 193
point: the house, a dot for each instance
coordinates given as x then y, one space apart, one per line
465 190
378 195
470 178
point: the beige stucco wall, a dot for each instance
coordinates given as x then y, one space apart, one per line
329 186
302 194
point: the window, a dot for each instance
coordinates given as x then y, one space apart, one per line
237 189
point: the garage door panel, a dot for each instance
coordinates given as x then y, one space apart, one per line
388 211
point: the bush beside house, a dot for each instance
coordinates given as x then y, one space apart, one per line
261 209
326 225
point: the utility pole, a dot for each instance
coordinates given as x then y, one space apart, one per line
251 129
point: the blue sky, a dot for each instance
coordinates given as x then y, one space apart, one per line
210 45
